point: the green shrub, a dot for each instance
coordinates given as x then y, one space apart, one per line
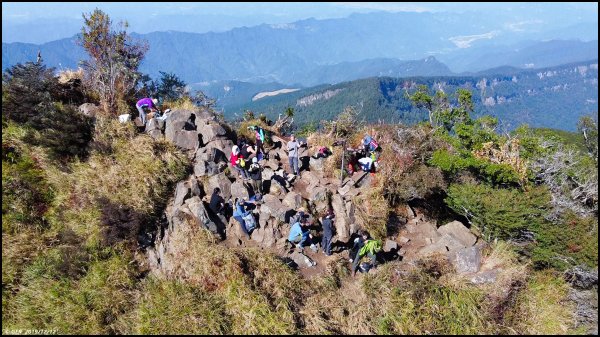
497 174
28 88
26 195
571 241
499 213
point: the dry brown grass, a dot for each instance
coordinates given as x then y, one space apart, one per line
181 104
68 74
138 172
543 307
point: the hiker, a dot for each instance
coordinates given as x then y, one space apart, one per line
323 152
244 217
255 172
300 216
238 162
327 223
246 149
352 161
146 103
259 133
369 143
293 149
364 246
299 234
366 163
217 203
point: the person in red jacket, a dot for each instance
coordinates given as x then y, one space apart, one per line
238 162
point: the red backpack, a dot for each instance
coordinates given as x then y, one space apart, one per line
373 145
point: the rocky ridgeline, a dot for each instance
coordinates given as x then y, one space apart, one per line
209 144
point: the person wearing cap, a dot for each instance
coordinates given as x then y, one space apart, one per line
146 103
256 175
238 162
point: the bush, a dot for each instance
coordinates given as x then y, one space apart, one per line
499 213
494 173
119 223
419 182
26 195
64 130
28 88
570 241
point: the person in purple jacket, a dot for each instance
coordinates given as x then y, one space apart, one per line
148 103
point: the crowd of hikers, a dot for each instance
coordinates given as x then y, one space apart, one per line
365 157
245 159
363 253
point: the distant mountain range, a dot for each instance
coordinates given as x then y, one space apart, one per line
552 97
310 52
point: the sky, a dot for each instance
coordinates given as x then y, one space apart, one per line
43 22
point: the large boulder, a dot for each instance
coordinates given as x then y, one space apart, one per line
205 114
459 232
316 164
310 179
268 234
205 154
443 245
186 189
273 208
205 168
181 130
466 260
198 211
221 181
152 124
239 190
187 140
210 130
341 221
293 200
222 148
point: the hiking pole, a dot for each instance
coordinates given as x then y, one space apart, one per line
342 168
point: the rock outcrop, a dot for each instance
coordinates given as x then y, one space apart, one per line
208 144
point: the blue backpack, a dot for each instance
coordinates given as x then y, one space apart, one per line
250 221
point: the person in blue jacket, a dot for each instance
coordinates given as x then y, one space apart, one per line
299 234
240 212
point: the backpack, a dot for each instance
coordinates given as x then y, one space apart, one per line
373 145
254 167
371 246
250 221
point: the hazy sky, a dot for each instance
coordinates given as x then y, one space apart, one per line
43 22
